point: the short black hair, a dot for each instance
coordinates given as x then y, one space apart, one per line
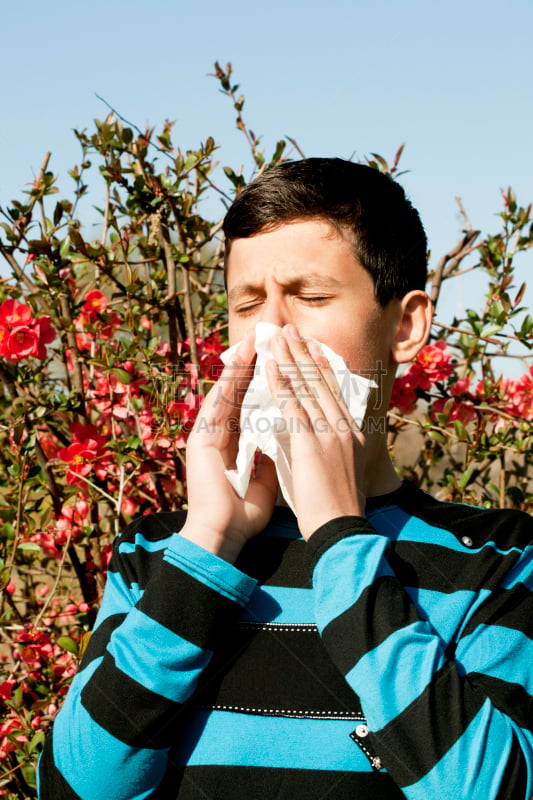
388 237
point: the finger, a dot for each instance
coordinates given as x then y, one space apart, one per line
227 394
286 398
315 383
265 476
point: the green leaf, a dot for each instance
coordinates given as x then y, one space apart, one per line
68 644
8 531
29 547
490 330
463 483
64 247
36 741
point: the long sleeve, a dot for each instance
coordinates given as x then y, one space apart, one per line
434 632
167 603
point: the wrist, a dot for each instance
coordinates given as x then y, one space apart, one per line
214 541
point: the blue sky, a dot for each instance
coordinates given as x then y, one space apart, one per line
451 79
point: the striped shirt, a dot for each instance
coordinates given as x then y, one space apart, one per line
390 656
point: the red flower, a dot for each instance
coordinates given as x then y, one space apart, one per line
435 362
85 450
463 411
432 364
21 335
403 396
4 333
46 333
6 689
95 303
185 412
80 457
20 343
87 433
516 395
94 315
14 313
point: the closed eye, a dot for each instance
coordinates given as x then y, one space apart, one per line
314 299
246 308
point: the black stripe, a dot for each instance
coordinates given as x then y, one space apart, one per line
260 783
132 713
514 781
137 566
512 608
440 569
295 676
382 609
510 698
187 607
100 637
155 527
53 786
275 561
506 527
446 707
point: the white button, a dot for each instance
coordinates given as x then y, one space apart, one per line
467 541
361 731
376 762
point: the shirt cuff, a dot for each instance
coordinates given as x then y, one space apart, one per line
332 532
209 569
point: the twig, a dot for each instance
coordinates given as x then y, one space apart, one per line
168 154
296 146
451 260
73 346
57 579
488 339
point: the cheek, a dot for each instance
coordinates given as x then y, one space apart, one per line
237 329
362 347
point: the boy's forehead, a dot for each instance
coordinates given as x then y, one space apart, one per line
292 250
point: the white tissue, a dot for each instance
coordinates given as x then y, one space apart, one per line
262 424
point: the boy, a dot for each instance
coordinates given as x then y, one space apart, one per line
376 644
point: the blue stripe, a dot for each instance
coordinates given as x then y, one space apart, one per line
97 765
449 613
118 597
144 544
397 525
174 673
344 571
211 570
522 572
227 738
463 772
280 604
405 663
500 652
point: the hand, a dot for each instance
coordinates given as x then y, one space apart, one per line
218 519
326 447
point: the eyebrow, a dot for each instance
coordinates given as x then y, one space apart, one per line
316 280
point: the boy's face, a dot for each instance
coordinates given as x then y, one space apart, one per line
306 274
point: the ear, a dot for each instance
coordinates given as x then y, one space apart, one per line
413 326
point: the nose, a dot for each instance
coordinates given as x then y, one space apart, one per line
275 311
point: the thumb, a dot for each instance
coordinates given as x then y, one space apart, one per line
265 475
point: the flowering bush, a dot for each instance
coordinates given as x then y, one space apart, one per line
106 350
